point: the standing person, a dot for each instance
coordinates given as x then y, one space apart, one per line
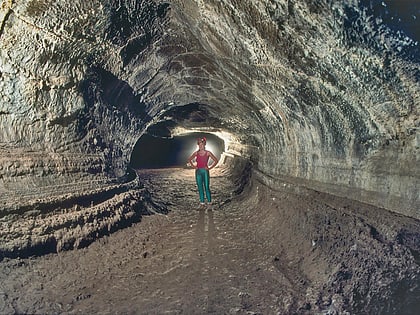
202 174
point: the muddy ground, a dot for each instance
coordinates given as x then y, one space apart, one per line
287 250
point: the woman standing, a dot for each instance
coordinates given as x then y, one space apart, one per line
202 174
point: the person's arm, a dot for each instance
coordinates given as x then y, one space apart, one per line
215 160
191 158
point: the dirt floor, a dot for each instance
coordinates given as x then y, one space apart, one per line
283 251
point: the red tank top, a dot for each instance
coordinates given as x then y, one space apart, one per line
202 160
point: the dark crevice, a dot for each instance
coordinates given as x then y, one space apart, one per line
5 19
416 255
135 27
103 87
411 240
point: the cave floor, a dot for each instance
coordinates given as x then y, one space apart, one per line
210 260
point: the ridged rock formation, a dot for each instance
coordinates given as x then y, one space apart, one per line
317 93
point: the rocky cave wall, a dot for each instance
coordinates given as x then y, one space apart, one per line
314 92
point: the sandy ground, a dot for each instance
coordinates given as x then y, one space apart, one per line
237 256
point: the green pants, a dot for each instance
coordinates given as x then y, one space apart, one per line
202 177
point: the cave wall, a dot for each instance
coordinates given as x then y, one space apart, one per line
313 92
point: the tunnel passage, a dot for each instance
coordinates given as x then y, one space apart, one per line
158 152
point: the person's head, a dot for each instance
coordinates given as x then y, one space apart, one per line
201 142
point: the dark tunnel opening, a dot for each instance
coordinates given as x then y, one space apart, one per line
156 152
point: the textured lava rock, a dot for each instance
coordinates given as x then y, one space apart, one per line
318 93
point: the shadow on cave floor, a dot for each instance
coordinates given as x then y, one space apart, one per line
262 252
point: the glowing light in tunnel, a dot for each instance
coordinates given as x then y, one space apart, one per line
210 146
225 136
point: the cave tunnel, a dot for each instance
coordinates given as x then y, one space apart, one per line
156 152
311 106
